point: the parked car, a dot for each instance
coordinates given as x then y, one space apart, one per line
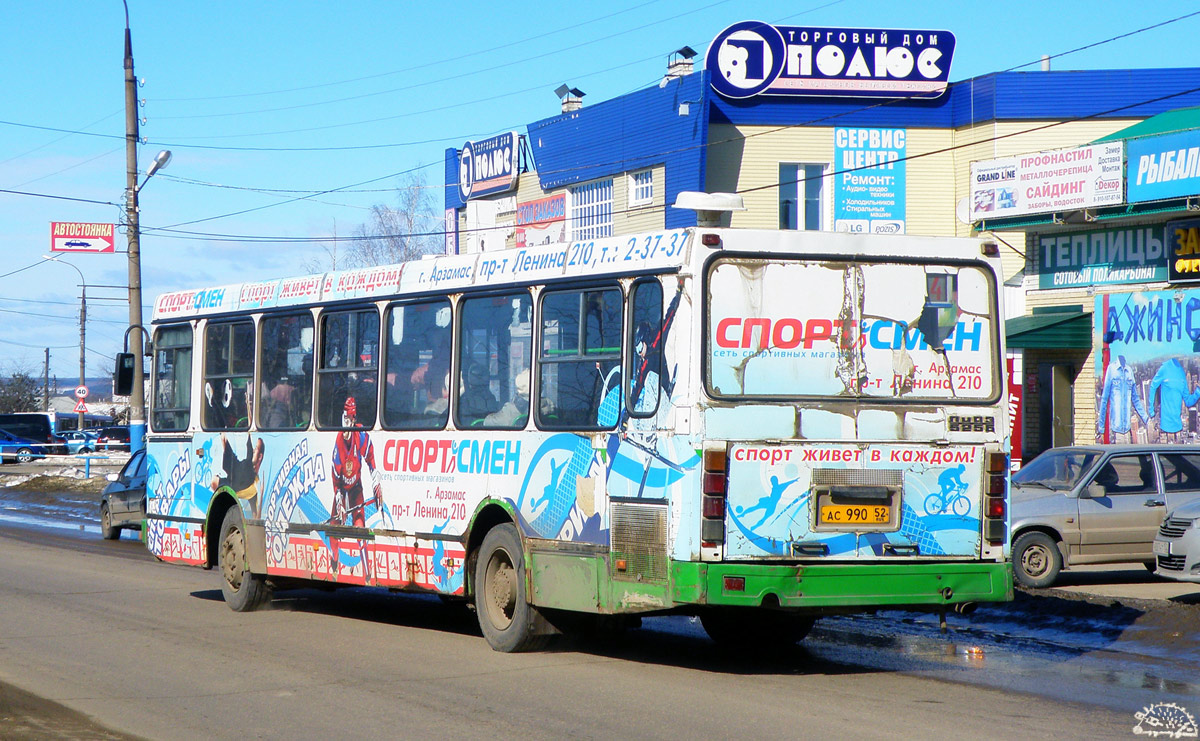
35 427
1177 546
80 441
14 448
1096 504
113 438
123 501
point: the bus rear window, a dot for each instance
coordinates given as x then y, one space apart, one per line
823 328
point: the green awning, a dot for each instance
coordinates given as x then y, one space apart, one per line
1069 330
1169 122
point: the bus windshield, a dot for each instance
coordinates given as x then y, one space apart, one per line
806 328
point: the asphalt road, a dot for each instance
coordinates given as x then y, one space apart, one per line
150 649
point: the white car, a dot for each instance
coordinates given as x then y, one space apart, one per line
1177 546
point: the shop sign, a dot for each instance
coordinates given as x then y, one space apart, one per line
451 231
1166 166
1183 251
1099 257
488 166
542 221
1147 363
754 58
870 184
1016 421
1044 182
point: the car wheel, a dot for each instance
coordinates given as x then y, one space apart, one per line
84 451
1036 560
505 615
24 455
106 527
243 591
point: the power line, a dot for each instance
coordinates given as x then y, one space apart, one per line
457 58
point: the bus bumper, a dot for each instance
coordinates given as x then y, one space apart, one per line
834 586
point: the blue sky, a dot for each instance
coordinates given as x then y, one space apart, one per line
315 96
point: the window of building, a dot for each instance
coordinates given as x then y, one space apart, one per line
641 188
579 364
347 369
228 375
286 372
416 390
494 356
172 378
802 197
591 210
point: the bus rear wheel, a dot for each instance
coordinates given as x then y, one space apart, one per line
506 618
243 591
754 629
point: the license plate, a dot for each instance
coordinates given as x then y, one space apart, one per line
1162 548
855 514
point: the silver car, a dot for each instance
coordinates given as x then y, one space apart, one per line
1096 504
1177 546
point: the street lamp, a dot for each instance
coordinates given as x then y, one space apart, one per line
82 325
137 397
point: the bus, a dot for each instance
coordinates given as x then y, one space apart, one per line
758 428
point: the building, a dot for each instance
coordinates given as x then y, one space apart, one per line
831 129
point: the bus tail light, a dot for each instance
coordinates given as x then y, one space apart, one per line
712 505
995 501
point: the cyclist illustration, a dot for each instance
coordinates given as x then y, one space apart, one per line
768 503
952 497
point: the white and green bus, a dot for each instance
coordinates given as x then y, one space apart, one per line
755 427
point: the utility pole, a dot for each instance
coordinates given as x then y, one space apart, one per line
137 399
46 383
82 344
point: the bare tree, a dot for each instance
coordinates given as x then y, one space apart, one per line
330 259
398 234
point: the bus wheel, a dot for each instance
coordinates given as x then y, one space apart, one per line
754 629
1036 560
243 590
106 527
505 615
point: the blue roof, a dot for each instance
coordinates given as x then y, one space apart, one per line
1005 96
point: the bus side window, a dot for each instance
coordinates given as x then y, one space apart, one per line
579 382
228 376
347 369
495 334
172 379
285 372
643 373
417 365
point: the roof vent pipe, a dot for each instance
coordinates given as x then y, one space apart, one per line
571 98
1045 62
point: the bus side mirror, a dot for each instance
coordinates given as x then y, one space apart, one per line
123 374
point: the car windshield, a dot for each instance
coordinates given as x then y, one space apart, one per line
1056 469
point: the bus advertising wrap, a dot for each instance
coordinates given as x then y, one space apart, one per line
858 330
